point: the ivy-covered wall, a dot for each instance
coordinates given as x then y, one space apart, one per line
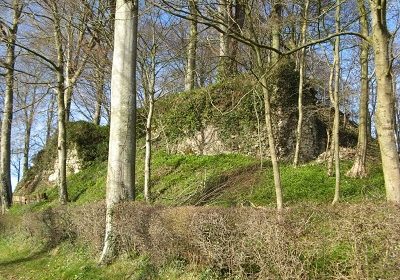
86 141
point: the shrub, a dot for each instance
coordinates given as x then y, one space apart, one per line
305 242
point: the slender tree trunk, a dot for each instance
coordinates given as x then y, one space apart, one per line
5 146
385 101
331 145
68 70
396 115
276 29
192 48
147 161
359 166
270 134
5 160
122 152
99 96
27 140
149 94
237 25
336 121
61 112
301 84
223 63
68 90
73 70
50 117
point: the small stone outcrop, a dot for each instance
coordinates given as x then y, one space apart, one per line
86 143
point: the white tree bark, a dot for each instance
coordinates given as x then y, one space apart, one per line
149 88
359 166
99 95
270 134
223 63
301 84
61 115
192 48
385 101
121 157
336 121
276 29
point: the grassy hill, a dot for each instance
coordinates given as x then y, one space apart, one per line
28 251
212 217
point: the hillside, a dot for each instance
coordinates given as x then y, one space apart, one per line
199 140
213 215
46 241
219 121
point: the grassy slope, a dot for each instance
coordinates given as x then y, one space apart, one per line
229 180
178 180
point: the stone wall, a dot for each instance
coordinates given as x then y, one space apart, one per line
210 140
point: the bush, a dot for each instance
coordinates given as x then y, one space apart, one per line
305 242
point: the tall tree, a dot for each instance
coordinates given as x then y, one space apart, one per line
122 151
61 109
99 87
359 166
336 121
149 80
301 83
29 113
9 36
224 11
276 29
385 100
192 48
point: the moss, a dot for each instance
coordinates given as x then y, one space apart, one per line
90 141
228 106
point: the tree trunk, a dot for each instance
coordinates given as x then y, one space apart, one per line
5 146
50 117
336 121
61 112
359 166
192 48
301 84
147 161
276 30
385 101
122 151
331 145
270 134
28 129
99 96
149 89
237 26
223 63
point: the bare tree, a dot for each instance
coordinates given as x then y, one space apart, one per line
8 36
336 121
359 166
122 151
380 38
301 83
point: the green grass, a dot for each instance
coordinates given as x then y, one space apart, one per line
228 180
311 183
22 258
225 180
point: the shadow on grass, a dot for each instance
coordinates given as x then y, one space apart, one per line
35 256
